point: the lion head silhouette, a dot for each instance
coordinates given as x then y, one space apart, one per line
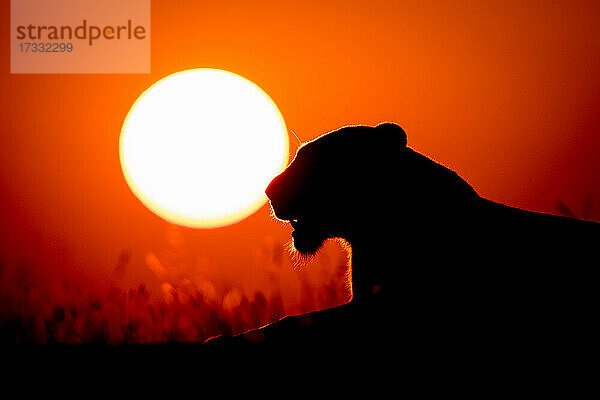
349 182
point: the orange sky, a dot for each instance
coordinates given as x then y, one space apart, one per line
506 93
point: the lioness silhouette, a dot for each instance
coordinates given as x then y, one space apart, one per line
434 266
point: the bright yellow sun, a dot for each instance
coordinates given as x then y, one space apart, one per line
199 147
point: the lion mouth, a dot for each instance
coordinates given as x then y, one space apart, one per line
299 225
307 237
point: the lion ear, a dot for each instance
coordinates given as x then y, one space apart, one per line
394 131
